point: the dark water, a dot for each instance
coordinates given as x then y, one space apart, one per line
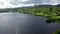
15 23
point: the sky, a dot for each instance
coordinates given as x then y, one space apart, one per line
22 3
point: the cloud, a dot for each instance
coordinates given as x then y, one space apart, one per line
13 3
21 3
43 2
24 0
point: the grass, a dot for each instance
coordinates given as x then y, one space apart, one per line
55 17
56 32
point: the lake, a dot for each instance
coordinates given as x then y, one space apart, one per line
16 23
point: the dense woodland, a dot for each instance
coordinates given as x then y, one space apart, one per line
38 11
46 11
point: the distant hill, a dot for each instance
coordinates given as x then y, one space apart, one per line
47 5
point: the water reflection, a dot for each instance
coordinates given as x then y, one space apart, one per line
50 20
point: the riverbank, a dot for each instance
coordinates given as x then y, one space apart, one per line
53 13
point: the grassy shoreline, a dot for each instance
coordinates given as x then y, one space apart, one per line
52 13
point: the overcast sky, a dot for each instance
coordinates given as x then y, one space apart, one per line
21 3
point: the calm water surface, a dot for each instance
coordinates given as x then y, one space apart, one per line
15 23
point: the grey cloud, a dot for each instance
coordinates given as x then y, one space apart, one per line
37 1
15 2
18 2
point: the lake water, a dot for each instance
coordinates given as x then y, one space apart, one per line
16 23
